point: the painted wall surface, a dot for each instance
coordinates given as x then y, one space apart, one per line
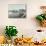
26 26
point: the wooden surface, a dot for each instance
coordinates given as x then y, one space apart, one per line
30 45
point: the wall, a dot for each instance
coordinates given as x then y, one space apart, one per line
25 26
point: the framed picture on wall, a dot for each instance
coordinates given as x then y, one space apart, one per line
16 10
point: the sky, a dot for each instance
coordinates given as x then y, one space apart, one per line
16 6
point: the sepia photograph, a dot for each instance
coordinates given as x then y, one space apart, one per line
16 11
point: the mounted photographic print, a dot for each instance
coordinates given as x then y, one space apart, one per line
16 11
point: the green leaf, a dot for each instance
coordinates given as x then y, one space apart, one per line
45 17
10 31
39 17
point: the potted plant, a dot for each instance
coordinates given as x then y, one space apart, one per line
42 19
10 31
